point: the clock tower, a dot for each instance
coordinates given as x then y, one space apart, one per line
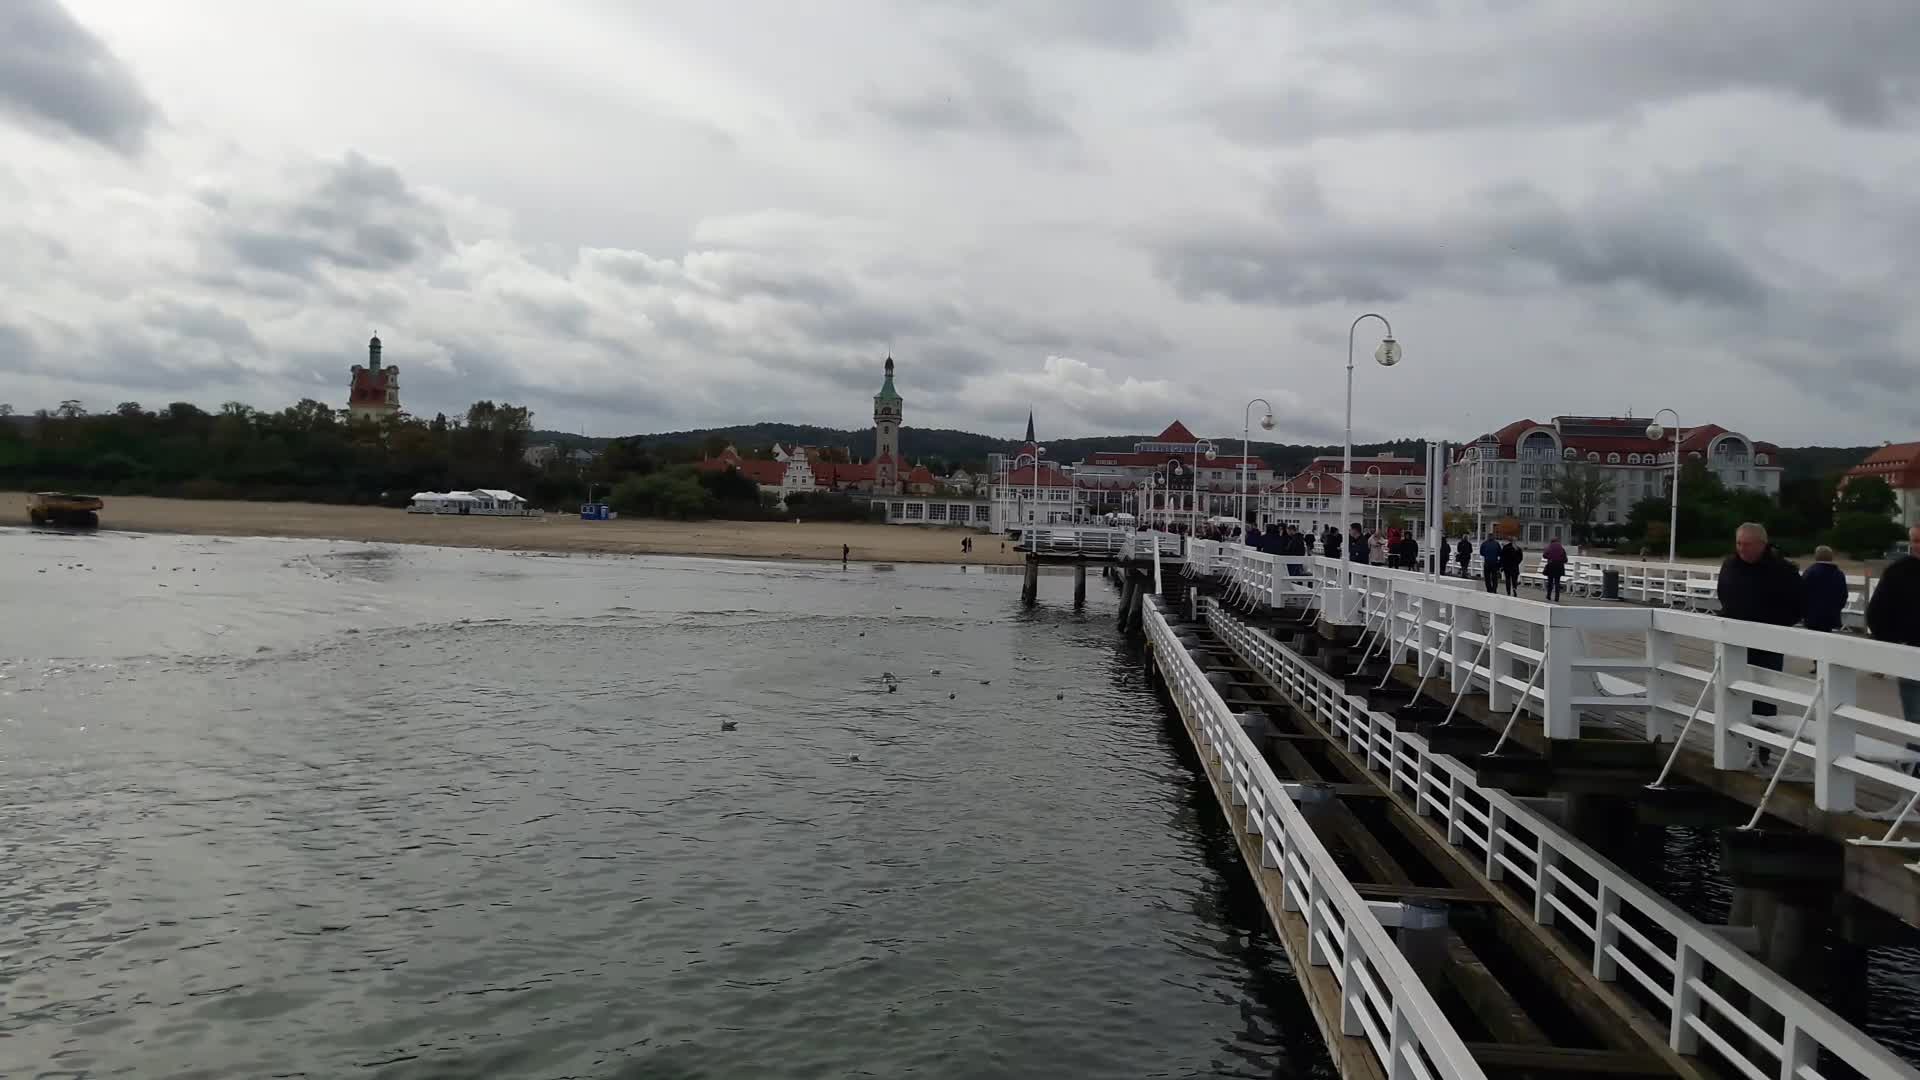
886 437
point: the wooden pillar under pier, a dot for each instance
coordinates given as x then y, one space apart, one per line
1030 588
1080 584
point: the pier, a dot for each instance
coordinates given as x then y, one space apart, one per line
1436 788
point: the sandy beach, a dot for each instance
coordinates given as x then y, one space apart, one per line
731 539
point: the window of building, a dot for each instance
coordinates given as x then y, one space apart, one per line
1613 459
898 509
962 513
914 511
936 511
1570 453
1759 459
1593 455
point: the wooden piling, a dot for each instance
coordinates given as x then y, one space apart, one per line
1079 584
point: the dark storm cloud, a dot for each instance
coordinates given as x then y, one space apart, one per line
356 214
987 96
59 76
1504 242
1580 62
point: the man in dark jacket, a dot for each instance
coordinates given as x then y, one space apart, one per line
1893 614
1465 552
1409 551
1758 585
1825 589
1490 563
1330 543
1357 546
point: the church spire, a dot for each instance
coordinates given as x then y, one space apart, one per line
1030 440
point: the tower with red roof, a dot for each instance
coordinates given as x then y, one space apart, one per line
373 392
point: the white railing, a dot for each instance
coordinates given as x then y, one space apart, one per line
1095 541
1685 968
1381 998
1140 544
1550 663
1689 586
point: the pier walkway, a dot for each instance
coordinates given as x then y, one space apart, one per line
1421 776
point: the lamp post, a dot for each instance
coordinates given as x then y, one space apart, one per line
1387 355
1194 491
1246 429
1373 471
1656 432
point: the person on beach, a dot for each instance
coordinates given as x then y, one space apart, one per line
1554 562
844 552
1490 563
1511 557
1825 587
1894 615
1757 584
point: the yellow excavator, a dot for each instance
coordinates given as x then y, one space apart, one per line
60 508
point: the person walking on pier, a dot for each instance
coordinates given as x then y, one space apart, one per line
1757 584
1490 563
1554 563
1510 559
1358 549
1894 615
1408 551
1826 591
1446 552
1330 543
1465 552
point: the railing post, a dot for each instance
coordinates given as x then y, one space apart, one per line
1659 652
1723 718
1496 820
1833 737
1559 719
1687 967
1544 859
1456 792
1458 675
1351 993
1499 695
1605 934
1400 1045
1316 954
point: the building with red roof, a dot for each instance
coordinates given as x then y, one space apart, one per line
373 392
1899 465
1386 490
1504 473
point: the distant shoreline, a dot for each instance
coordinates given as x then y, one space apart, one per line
555 533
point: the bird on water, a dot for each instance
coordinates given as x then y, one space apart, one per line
729 725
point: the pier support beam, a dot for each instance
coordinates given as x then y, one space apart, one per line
1030 586
1079 585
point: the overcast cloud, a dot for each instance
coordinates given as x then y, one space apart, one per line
1113 212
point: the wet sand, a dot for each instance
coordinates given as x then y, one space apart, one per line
555 532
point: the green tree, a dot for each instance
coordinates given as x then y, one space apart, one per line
1866 495
1580 491
1863 535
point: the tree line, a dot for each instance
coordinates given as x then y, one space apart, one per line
312 452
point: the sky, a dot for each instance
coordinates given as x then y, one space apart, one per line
639 215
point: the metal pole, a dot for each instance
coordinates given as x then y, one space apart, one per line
1673 513
1246 432
1346 456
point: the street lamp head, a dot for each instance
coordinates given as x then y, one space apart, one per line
1212 453
1655 431
1266 422
1388 354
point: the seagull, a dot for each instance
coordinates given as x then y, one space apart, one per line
986 682
893 688
1060 696
853 757
934 671
951 696
729 725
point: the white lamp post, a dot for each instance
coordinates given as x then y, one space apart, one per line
1387 355
1194 493
1656 432
1246 429
1373 471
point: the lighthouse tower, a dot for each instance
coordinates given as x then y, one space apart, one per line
886 436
